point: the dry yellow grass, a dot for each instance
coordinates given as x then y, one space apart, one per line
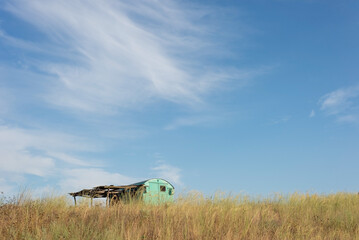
298 216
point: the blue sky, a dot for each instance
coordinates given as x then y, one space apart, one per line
237 96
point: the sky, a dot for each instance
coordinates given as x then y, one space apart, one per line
254 97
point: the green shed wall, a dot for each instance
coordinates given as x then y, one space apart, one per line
154 194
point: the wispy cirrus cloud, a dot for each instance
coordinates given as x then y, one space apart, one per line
312 114
79 178
342 103
100 58
46 155
168 172
116 54
191 121
280 120
36 152
339 100
6 101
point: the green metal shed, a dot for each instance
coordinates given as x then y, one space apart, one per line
156 190
152 191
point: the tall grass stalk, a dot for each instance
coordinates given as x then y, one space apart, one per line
297 216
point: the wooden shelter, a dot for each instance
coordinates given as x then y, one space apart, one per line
154 191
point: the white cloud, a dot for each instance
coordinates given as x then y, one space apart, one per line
121 54
80 178
18 43
21 138
6 101
168 172
23 161
281 120
190 121
339 100
312 114
348 119
40 153
342 103
70 159
105 56
35 152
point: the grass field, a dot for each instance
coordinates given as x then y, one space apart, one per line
297 216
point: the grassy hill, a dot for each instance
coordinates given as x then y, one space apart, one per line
297 216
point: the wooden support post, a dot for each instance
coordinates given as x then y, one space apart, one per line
75 200
108 198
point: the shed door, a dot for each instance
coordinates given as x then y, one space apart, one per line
154 189
163 194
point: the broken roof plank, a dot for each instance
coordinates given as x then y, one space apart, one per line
102 191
